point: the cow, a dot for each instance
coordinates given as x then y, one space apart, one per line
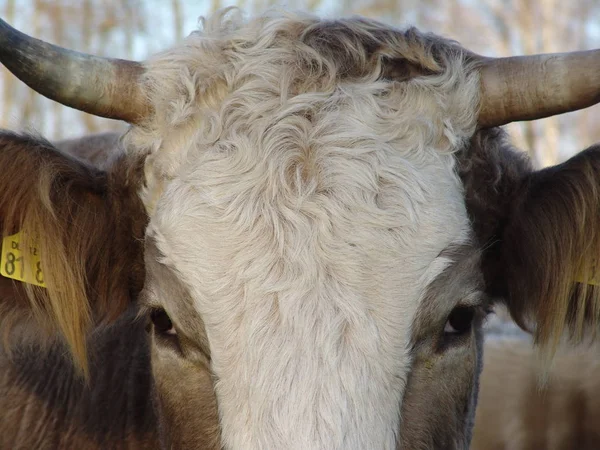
310 217
523 405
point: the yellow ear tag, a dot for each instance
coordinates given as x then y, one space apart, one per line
595 281
12 264
592 282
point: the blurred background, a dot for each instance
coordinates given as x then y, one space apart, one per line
134 29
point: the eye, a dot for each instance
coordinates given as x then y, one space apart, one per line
162 322
460 321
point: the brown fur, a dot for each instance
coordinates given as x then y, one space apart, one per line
356 46
540 233
88 223
44 404
552 239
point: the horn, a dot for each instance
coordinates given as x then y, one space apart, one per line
99 86
533 87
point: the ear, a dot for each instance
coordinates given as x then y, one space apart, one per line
87 225
540 231
96 149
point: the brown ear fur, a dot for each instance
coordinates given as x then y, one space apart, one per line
87 224
552 240
540 231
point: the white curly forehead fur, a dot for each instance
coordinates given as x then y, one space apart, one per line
303 191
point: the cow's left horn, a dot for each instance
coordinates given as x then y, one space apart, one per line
538 86
99 86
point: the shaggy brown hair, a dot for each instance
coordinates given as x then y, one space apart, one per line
552 240
87 224
541 235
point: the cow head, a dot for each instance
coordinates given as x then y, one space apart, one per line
329 211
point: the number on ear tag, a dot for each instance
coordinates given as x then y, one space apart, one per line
12 263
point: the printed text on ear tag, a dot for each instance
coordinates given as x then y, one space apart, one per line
13 265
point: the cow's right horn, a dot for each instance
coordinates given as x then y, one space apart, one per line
99 86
